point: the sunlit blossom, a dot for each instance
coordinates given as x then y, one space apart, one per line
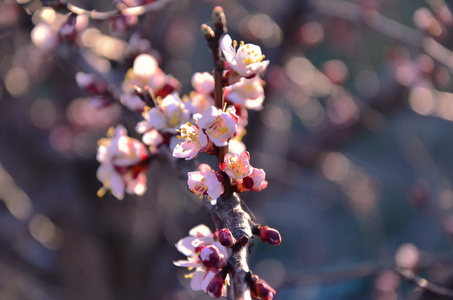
246 61
237 166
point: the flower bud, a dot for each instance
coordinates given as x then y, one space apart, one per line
207 32
218 17
216 287
260 289
226 238
270 236
212 258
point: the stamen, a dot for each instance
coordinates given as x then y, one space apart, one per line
111 132
101 192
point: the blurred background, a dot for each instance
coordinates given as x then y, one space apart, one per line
355 137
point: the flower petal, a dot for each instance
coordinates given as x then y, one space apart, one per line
200 231
185 246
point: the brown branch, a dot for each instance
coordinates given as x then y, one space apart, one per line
213 38
228 213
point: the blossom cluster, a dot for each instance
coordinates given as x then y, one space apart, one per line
123 164
190 124
206 257
215 127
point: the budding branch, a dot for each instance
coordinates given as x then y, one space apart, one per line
228 213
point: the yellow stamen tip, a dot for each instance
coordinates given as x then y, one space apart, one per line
101 192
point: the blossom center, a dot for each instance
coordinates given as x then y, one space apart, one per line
218 128
189 134
249 54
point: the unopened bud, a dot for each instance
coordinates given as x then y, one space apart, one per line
260 289
226 238
216 286
207 32
218 17
270 236
212 258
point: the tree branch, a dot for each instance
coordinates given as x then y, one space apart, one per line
228 213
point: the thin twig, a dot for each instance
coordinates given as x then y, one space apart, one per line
425 284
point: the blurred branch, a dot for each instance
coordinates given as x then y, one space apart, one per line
425 284
373 268
387 27
121 9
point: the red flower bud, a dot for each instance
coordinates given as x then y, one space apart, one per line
226 238
216 286
260 289
270 235
212 258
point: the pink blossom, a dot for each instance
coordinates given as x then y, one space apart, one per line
247 61
218 125
123 165
237 166
205 182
